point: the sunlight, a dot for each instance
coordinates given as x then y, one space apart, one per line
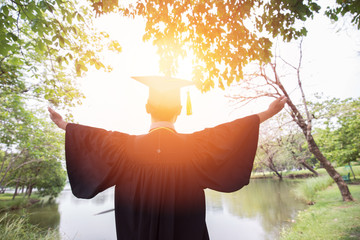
117 102
114 101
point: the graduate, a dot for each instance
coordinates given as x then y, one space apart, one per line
160 177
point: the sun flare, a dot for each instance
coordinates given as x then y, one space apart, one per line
114 101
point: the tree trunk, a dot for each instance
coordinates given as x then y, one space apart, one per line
278 174
307 166
303 162
30 188
16 189
314 149
344 190
273 168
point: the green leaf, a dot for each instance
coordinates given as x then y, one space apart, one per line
5 10
61 41
80 18
13 36
69 18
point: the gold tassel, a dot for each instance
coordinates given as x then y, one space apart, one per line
188 104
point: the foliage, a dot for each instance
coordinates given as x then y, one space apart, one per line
44 45
222 36
51 179
339 135
13 227
268 150
344 7
34 159
280 138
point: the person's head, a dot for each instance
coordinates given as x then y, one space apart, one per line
159 113
164 102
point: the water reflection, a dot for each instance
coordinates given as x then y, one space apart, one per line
259 212
78 220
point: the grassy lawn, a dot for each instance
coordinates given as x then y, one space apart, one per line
330 218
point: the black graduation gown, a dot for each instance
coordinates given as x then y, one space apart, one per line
159 177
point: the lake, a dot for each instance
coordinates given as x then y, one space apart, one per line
259 211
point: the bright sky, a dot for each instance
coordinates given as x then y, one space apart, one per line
116 102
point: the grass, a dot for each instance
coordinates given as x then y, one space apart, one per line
308 189
14 228
330 218
7 204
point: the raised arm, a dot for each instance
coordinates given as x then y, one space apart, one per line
275 107
57 118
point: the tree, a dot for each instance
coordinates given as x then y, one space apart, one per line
34 160
44 45
222 36
343 7
267 157
269 149
51 179
279 151
281 136
294 146
339 136
261 83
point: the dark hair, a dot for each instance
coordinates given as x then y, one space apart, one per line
162 113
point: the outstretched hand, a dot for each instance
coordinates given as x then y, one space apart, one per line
275 107
57 118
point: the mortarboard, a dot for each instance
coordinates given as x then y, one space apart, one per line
165 91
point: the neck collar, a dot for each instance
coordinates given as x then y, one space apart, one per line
162 124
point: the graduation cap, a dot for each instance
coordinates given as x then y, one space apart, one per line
165 91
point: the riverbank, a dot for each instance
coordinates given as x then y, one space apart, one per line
7 204
305 173
13 226
329 218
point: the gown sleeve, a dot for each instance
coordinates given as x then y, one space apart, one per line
223 156
94 158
